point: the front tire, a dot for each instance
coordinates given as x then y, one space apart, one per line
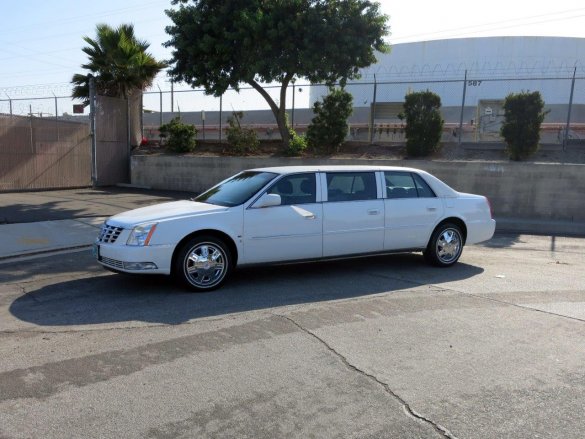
445 245
203 263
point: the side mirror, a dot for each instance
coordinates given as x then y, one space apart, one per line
268 200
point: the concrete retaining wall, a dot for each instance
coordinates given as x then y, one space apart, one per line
529 192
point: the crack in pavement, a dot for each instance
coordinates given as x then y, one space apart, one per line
524 307
478 296
444 432
26 293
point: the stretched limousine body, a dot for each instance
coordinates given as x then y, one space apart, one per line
297 213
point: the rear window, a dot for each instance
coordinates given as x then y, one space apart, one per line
351 186
406 185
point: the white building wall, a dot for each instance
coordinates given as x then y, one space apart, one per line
496 66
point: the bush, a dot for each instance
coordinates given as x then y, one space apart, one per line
523 115
179 136
424 124
241 140
328 128
297 144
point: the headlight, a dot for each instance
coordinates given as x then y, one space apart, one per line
141 234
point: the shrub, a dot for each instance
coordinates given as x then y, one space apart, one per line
241 140
179 136
523 115
328 128
424 124
297 144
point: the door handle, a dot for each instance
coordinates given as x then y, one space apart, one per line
373 212
432 209
304 213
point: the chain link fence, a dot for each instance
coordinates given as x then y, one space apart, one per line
471 107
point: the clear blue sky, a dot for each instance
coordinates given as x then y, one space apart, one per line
41 41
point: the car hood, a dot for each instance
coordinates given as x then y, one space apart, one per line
163 212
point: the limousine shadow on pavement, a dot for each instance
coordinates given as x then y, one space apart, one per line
98 297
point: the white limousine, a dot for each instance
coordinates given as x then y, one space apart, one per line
295 213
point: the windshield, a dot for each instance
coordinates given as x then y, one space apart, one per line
236 190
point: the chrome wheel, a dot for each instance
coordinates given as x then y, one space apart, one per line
448 246
203 263
445 246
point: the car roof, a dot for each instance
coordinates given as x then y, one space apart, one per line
332 168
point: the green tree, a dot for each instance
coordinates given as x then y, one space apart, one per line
523 115
120 64
329 127
118 61
424 124
222 44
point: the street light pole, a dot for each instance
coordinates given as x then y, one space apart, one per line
293 107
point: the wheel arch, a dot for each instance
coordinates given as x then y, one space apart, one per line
207 232
453 220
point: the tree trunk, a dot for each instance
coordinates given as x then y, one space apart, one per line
282 126
279 112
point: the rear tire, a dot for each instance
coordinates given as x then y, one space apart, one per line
203 263
445 246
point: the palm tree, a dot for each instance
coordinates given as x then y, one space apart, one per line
119 63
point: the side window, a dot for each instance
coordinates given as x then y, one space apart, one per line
424 190
296 189
351 186
400 185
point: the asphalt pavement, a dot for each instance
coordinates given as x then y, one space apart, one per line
383 347
379 347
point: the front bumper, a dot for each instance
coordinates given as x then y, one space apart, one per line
151 259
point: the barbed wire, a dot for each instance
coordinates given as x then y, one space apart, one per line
59 88
379 73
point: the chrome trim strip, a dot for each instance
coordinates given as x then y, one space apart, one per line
297 235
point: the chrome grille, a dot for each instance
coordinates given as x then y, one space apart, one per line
112 263
109 234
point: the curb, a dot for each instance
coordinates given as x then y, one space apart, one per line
43 252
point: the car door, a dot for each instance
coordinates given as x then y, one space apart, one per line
290 231
353 215
411 210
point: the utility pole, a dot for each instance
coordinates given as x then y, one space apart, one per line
462 106
220 111
373 112
566 136
172 98
9 103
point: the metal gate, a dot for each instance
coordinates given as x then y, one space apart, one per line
490 117
43 153
112 146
